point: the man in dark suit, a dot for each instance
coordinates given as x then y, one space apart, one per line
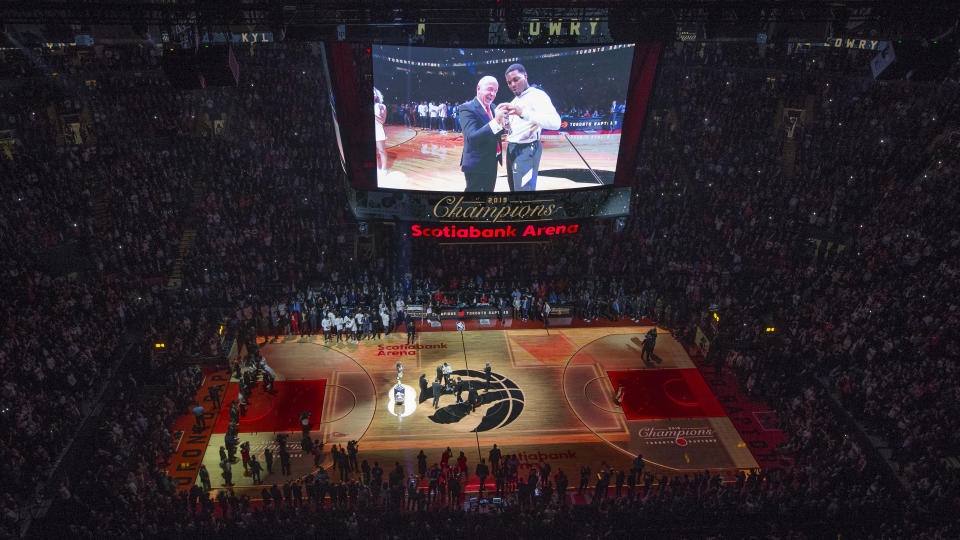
437 391
481 137
473 398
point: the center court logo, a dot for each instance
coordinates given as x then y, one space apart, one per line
504 394
677 435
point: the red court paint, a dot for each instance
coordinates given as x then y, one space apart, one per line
546 347
279 411
665 393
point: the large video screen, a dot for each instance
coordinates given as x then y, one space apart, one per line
498 120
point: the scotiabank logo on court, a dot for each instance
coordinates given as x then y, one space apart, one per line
677 435
407 350
537 455
452 231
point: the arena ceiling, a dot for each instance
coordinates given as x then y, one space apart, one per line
903 20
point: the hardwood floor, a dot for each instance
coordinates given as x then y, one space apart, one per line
568 416
430 161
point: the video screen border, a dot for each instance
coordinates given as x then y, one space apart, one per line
352 85
576 139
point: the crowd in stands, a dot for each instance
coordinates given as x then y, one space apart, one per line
89 235
850 249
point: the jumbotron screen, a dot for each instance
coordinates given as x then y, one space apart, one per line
498 120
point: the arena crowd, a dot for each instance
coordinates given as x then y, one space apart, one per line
842 233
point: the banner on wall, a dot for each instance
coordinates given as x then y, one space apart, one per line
480 209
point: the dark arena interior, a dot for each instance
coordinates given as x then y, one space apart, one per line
487 269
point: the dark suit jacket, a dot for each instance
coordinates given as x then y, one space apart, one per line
479 142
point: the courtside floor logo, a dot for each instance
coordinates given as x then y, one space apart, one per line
504 395
677 435
407 350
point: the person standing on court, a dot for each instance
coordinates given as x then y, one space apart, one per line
473 398
198 416
494 458
255 469
649 344
411 331
530 112
284 461
482 127
268 459
436 388
204 477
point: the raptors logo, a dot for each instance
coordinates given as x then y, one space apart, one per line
504 395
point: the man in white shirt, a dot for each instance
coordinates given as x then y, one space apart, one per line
338 322
326 324
358 323
422 115
433 115
352 329
385 318
442 114
530 112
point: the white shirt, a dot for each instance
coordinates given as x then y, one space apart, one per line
269 370
422 109
433 110
339 322
538 114
325 324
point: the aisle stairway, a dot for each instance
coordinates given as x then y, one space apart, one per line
789 157
187 240
186 244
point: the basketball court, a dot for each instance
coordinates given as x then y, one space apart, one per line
429 160
550 398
